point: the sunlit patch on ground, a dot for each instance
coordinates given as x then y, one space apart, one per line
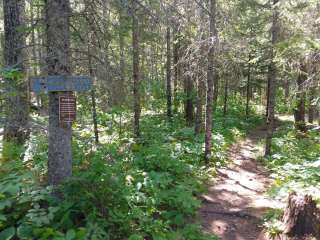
235 204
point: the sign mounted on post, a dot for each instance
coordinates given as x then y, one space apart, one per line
61 84
67 108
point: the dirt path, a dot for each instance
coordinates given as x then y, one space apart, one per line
234 205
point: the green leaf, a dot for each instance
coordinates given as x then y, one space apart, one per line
7 234
3 217
24 231
135 237
4 204
71 234
11 189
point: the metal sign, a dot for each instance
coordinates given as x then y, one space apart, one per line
61 84
67 108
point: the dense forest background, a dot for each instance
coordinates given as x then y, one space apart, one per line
176 83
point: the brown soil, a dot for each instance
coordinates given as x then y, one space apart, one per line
234 205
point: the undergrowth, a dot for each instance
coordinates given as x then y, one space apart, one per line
295 167
121 189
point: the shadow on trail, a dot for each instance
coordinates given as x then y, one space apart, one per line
234 205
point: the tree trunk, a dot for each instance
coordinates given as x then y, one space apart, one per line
176 71
17 105
188 102
168 66
136 74
268 93
248 87
312 107
272 75
211 78
58 63
225 102
93 97
287 90
122 89
199 123
34 57
301 217
300 110
215 91
91 45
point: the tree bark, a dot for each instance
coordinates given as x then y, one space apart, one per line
122 89
188 102
90 38
300 109
58 63
287 90
136 73
225 102
177 74
301 217
93 98
268 93
248 87
211 78
272 75
312 107
17 104
199 123
168 66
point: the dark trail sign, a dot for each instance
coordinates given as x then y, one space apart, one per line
67 108
61 84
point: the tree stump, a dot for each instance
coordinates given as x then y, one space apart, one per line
301 217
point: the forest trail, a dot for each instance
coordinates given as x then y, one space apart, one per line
234 205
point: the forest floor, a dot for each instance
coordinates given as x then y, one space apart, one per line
235 204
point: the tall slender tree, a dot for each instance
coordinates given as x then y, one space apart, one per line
16 128
136 68
300 108
177 67
199 123
90 39
168 68
57 14
211 78
248 86
272 76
